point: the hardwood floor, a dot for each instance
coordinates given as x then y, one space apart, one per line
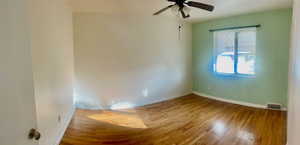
189 120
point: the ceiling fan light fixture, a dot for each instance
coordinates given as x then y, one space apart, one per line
186 10
175 9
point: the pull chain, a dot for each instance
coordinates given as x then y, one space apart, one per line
179 31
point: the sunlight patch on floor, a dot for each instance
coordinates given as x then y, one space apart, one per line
246 136
219 128
124 119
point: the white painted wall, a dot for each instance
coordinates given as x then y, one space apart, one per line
52 56
17 108
129 60
294 84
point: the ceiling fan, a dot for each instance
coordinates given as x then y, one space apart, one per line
182 7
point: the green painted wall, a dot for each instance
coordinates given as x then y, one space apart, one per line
271 81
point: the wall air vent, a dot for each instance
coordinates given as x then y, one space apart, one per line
274 106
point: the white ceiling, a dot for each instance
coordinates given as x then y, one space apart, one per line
223 8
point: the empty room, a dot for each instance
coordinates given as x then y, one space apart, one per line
149 72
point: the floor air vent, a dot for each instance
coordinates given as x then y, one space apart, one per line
274 106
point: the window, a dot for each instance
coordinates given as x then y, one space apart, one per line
235 52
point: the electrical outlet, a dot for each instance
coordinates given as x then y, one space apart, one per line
145 93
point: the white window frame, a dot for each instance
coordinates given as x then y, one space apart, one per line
236 50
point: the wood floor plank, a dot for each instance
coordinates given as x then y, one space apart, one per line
188 120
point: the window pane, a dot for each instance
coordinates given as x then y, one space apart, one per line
246 52
224 50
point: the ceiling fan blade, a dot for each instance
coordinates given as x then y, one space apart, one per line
162 10
201 6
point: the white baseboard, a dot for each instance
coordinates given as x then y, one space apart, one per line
65 125
232 101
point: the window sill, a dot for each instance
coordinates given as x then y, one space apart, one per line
224 75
